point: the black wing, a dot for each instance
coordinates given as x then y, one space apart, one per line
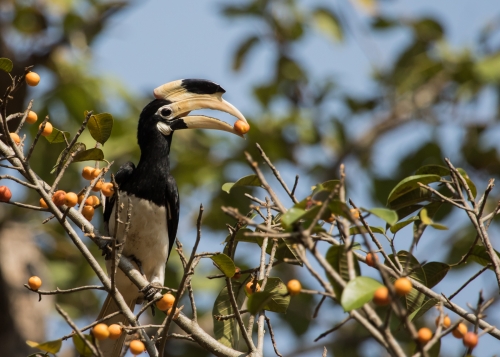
123 174
172 210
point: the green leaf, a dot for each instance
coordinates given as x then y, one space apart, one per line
291 216
406 211
60 162
411 183
225 264
361 229
326 186
337 258
400 225
414 299
388 215
358 292
228 332
94 154
481 256
250 180
426 220
411 199
257 301
274 297
471 184
441 227
100 127
433 170
430 211
6 64
57 136
49 346
435 272
242 52
328 23
286 250
424 217
81 347
339 208
294 215
426 306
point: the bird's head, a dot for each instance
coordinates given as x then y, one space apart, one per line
175 100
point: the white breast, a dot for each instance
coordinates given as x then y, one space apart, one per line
147 238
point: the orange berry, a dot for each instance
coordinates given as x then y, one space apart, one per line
31 117
460 330
59 198
237 273
294 287
381 296
71 199
446 321
15 138
87 172
32 79
34 283
424 335
166 302
241 127
355 213
108 189
98 185
80 198
88 212
43 204
47 130
5 194
92 201
403 286
95 173
176 314
371 259
100 331
249 288
136 347
470 340
115 331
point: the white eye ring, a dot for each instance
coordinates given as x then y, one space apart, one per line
165 112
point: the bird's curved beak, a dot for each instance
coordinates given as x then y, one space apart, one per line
187 95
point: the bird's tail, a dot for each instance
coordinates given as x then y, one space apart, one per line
109 347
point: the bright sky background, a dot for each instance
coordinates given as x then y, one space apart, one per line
157 41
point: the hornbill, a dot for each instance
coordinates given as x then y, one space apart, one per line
152 190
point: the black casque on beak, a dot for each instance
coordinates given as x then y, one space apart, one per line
187 95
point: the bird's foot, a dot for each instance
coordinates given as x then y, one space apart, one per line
107 250
150 290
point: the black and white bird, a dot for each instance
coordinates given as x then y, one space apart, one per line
152 190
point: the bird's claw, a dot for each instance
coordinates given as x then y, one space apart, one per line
107 250
150 291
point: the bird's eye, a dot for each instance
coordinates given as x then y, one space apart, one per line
166 112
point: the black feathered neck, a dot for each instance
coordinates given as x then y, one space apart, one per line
150 177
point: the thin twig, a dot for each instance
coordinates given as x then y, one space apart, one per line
67 291
276 173
271 333
470 280
65 316
335 328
